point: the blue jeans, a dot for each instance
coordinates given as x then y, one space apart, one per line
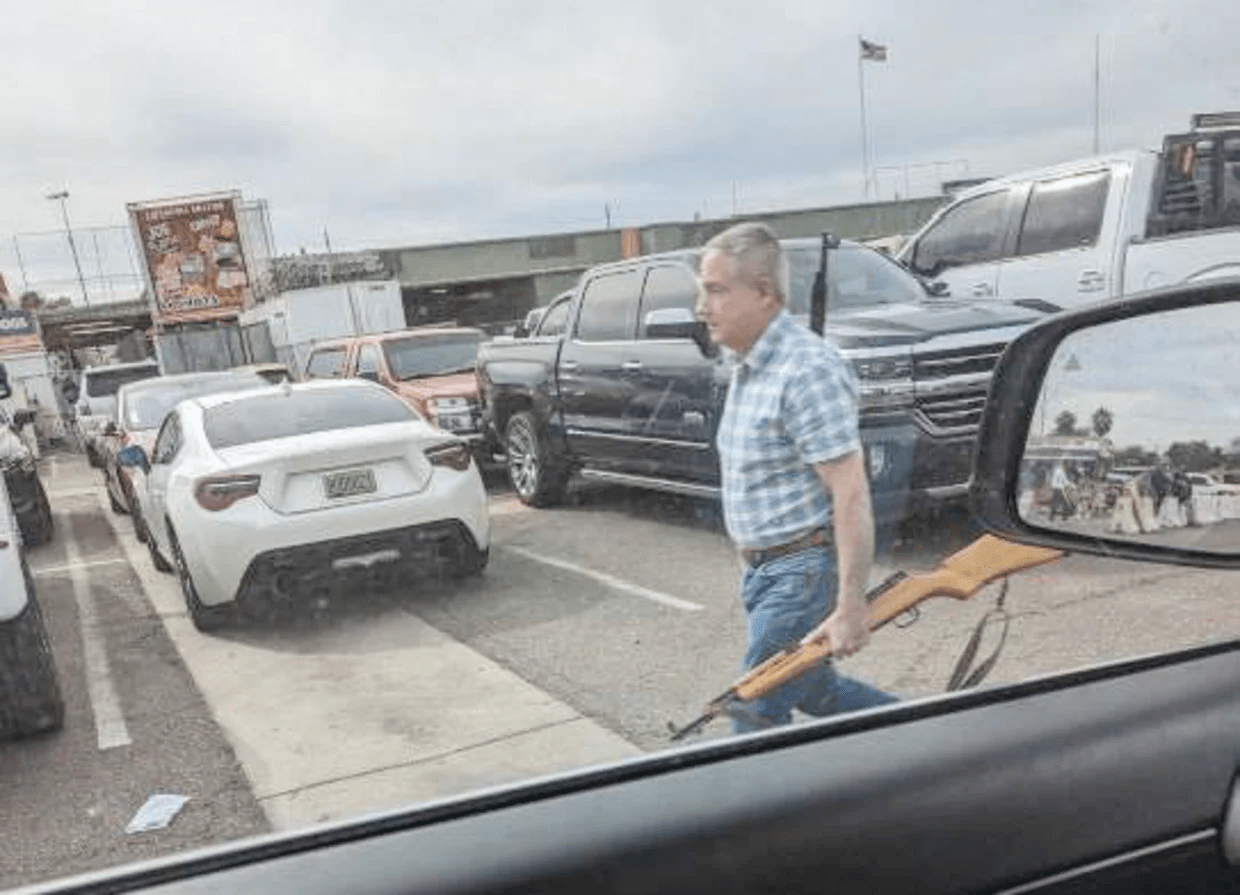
785 598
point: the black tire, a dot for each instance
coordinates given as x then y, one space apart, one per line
471 563
157 558
30 697
44 525
92 457
205 618
538 477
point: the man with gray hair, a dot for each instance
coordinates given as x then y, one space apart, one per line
796 499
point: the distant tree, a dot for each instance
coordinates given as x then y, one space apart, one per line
1065 423
1102 421
1135 455
1193 456
31 301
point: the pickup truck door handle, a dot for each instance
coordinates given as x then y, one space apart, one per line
1091 281
569 366
631 366
980 289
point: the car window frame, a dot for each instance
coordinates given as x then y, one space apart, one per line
1005 245
1031 196
636 274
342 372
566 303
643 309
172 430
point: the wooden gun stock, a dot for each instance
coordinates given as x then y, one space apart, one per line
960 576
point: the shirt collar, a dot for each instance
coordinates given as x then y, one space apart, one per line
761 352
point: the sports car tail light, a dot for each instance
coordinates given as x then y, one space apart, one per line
452 455
219 492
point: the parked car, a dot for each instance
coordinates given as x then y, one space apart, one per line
27 498
433 368
1096 229
30 697
96 400
619 384
266 497
140 410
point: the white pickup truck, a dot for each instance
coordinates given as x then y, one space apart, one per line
1096 229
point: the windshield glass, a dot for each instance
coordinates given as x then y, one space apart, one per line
106 383
420 356
860 278
291 627
279 415
146 406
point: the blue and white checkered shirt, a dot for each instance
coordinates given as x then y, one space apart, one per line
792 403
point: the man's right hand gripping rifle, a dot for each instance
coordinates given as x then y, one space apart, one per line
960 576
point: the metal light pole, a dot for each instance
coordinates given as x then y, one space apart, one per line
63 197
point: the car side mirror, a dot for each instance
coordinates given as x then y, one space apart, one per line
938 289
6 390
1084 450
678 323
133 457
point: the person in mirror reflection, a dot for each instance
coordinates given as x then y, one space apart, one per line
1060 483
796 499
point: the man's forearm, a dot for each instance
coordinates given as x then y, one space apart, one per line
853 523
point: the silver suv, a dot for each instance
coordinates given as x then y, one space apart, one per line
96 400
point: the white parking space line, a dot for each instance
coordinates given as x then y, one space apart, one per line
57 570
609 580
72 492
104 703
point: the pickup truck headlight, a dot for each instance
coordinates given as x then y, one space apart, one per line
884 382
452 414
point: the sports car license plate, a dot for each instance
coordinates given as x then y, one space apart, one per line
349 483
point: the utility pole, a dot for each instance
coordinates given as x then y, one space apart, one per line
1097 90
63 197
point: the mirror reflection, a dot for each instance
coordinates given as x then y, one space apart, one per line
1136 434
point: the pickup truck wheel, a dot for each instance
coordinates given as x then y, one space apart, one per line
31 701
538 480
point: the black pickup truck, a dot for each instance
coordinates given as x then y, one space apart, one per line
616 383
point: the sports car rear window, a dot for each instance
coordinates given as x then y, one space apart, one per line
282 415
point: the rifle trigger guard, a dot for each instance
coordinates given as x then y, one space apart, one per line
908 617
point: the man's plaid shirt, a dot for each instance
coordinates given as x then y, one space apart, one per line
792 402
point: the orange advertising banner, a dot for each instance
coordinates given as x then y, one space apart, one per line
195 264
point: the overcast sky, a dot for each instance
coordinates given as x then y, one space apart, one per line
393 123
1165 378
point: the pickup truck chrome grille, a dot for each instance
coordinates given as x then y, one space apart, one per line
941 364
953 412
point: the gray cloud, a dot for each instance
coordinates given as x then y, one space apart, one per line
393 122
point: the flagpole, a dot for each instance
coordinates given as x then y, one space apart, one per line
865 138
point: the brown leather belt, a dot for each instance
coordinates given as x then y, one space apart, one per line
819 537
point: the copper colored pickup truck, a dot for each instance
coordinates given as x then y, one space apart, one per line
432 368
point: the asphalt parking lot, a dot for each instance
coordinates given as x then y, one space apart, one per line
595 625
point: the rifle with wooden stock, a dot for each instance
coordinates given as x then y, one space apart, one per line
960 576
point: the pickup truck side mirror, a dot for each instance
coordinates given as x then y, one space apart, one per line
133 457
678 323
372 375
110 428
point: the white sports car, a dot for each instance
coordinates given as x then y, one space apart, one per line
273 495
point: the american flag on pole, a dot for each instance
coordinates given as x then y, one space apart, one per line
873 52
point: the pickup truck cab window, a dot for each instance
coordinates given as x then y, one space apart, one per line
971 233
369 366
555 320
326 362
667 286
609 307
1065 213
